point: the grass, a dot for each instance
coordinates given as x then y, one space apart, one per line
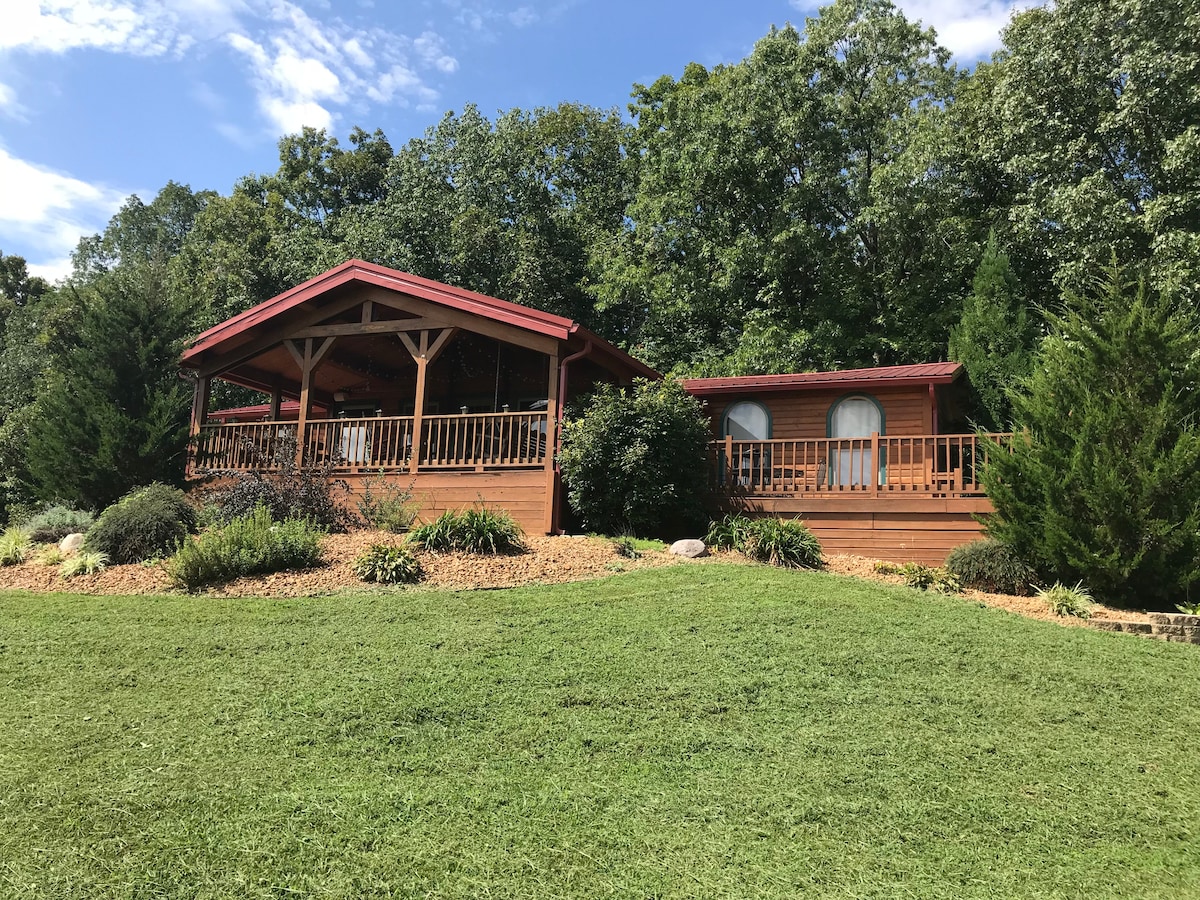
695 731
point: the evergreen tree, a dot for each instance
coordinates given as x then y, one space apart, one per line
994 338
114 412
1103 485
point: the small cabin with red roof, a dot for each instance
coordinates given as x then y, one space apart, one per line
460 395
370 370
879 462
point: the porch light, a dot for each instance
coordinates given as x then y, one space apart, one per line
463 410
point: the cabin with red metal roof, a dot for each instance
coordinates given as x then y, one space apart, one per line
460 395
371 370
878 462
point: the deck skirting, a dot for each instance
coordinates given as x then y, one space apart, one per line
896 529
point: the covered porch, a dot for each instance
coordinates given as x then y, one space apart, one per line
369 371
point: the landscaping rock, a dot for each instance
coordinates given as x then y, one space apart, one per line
689 549
72 543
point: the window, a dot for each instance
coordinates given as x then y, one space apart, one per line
851 420
746 421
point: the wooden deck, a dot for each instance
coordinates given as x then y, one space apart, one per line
886 497
472 442
503 459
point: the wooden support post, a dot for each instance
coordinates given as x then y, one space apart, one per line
875 467
551 438
305 401
730 473
200 391
423 365
276 399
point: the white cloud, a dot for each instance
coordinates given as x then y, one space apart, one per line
301 69
8 97
47 211
970 29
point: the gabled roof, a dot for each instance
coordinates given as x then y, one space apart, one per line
923 373
230 332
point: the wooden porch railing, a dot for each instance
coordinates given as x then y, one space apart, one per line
473 441
243 447
483 440
943 464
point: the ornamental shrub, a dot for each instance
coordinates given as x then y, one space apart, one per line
475 530
635 461
387 505
147 523
1102 482
991 566
387 565
781 543
930 578
249 545
1068 601
14 546
789 544
287 490
55 522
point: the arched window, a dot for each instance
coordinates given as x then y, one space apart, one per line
746 421
855 415
852 420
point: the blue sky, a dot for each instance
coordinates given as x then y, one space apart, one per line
100 99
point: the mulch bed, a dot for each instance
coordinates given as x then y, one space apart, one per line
550 560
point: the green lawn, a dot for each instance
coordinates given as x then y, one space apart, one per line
696 731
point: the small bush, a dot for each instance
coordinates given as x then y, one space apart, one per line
1068 601
388 565
1189 608
55 522
149 522
989 565
14 546
86 563
50 556
290 491
387 505
250 545
788 544
625 547
728 534
887 568
930 578
635 461
475 530
779 543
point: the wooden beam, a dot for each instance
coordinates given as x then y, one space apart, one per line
297 354
315 356
392 326
368 311
276 398
440 344
302 418
274 336
476 324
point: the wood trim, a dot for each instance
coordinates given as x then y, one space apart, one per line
551 436
275 336
392 326
466 321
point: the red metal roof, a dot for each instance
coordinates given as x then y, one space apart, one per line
923 373
356 270
380 276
